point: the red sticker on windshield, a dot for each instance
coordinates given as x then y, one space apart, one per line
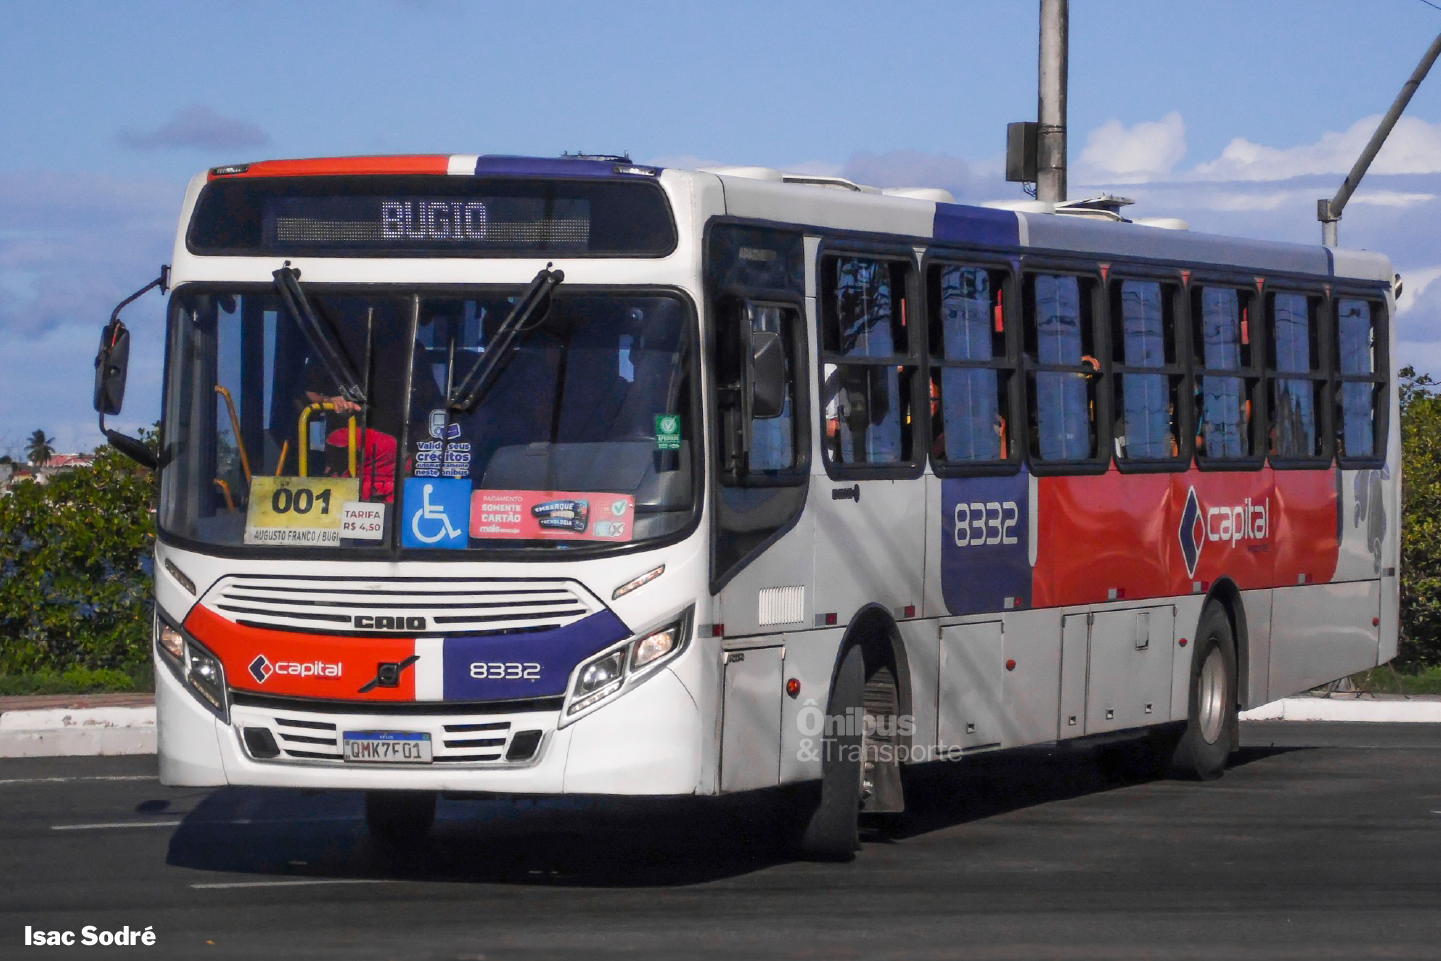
552 515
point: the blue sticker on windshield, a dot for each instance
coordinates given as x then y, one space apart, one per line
437 513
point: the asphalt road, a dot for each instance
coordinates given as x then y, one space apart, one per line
1323 841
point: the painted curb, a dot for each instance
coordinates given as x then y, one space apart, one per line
91 731
1416 711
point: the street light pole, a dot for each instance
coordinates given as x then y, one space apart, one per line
1329 211
1051 112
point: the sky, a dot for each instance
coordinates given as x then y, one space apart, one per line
1234 116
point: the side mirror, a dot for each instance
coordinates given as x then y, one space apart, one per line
766 374
112 363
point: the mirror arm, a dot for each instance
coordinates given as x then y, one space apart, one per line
163 282
132 447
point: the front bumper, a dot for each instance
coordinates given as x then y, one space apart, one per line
647 741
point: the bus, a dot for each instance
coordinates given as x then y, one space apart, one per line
521 476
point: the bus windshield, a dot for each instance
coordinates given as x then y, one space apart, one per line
582 437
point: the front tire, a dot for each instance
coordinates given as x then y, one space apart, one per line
399 817
832 831
1212 724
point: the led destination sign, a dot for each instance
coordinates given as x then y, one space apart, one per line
396 222
421 215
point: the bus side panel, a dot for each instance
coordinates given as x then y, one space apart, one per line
1323 632
868 550
1256 680
1031 691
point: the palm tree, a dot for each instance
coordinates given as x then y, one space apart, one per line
38 449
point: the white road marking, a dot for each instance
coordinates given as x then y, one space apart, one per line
289 884
115 824
62 780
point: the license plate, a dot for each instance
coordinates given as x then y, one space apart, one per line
387 747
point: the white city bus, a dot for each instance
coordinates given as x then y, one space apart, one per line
576 476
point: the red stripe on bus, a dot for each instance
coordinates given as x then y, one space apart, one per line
303 665
322 166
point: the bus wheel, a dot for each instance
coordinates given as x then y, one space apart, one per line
1211 723
396 817
832 831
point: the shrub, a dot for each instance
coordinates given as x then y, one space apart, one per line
75 569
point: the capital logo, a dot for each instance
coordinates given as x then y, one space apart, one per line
261 669
1192 533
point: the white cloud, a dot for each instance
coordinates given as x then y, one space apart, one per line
1148 150
1414 147
1390 198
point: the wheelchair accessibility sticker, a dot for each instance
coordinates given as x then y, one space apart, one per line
437 513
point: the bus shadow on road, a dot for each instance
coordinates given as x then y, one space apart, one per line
948 793
273 834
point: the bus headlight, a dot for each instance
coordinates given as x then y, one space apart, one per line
654 646
206 676
193 665
621 668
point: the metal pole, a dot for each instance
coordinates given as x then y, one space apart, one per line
1051 109
1329 211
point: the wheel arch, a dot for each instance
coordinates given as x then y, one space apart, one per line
1227 596
874 630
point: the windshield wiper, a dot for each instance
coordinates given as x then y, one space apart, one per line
322 340
536 299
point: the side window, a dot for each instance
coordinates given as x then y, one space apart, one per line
971 365
1146 374
1062 368
1361 375
1297 383
755 279
867 363
1223 362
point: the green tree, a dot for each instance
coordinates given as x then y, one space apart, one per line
38 449
75 569
1420 521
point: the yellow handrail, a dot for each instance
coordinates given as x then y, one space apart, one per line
303 440
235 424
225 489
280 464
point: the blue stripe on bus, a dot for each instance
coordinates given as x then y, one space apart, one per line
977 225
555 653
501 166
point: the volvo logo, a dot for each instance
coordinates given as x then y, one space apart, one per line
387 622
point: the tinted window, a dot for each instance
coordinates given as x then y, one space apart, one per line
1361 394
971 365
1294 400
1222 343
866 392
1058 334
1143 340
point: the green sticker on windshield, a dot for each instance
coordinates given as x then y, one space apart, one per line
667 431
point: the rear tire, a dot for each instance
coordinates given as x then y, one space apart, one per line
1212 726
832 829
398 817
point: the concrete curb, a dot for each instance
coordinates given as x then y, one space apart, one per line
67 732
1350 708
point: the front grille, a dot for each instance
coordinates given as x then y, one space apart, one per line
460 740
400 606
